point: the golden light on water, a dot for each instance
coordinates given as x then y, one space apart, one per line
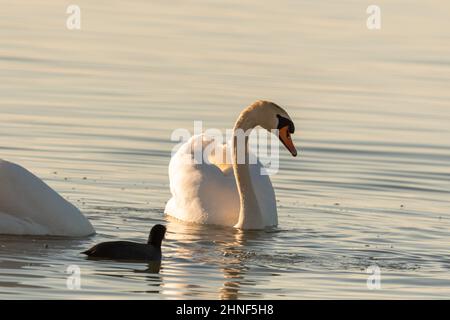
91 112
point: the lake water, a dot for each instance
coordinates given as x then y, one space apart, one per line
91 112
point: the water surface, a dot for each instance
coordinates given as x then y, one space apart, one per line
91 112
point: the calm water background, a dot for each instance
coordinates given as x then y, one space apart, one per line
91 113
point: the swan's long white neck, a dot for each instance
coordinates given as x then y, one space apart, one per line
250 216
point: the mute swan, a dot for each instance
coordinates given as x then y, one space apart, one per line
30 207
235 195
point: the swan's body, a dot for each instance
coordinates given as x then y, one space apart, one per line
204 194
30 207
231 194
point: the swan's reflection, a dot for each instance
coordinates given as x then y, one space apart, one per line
235 269
211 246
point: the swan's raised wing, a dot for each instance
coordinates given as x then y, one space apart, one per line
201 191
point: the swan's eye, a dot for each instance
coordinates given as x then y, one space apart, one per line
284 122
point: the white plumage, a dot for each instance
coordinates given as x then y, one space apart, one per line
30 207
207 193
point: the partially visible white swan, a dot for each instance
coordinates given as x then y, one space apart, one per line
230 195
30 207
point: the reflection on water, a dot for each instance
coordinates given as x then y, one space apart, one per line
222 248
92 112
235 269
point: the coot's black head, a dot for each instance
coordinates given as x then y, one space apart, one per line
156 235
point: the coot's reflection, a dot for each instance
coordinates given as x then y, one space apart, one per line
152 267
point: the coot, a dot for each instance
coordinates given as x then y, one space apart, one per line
127 250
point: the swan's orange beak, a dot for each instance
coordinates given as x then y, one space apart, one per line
285 137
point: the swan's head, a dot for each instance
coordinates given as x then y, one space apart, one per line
270 116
